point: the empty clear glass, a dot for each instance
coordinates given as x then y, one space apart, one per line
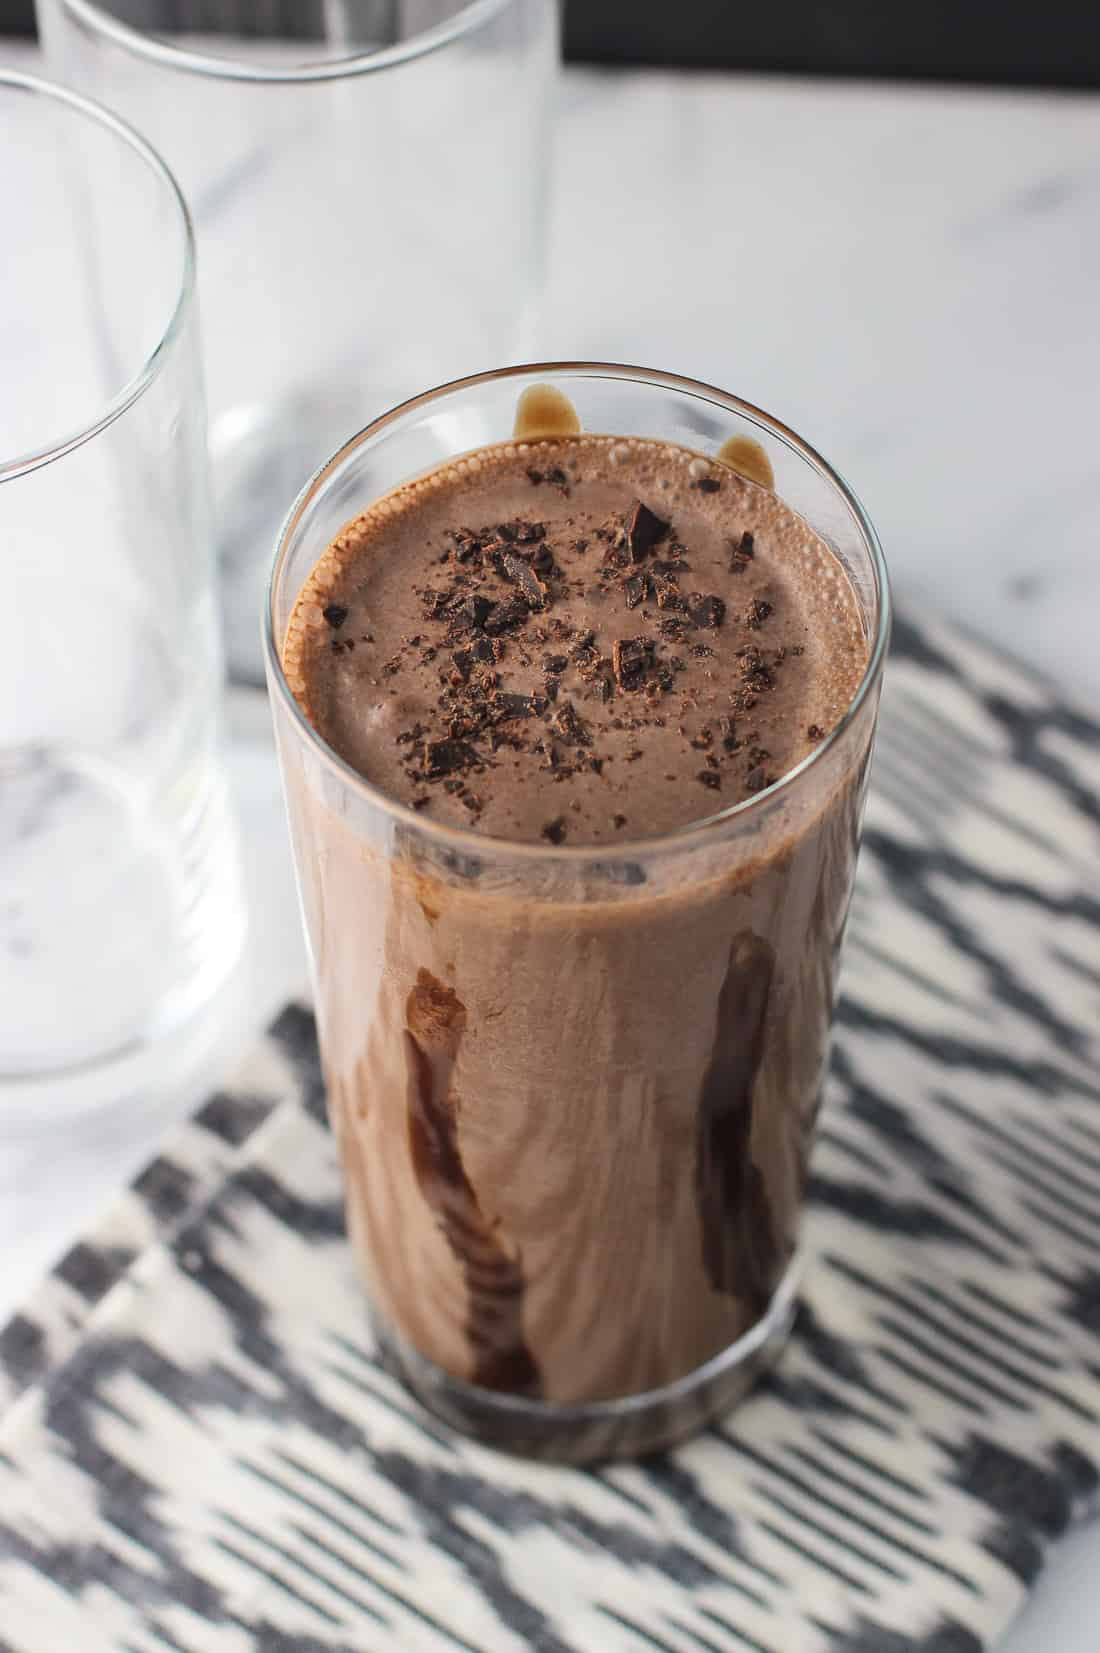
120 906
367 181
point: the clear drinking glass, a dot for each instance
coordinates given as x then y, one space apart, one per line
590 1246
367 181
120 907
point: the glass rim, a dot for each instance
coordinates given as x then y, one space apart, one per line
462 839
136 386
155 49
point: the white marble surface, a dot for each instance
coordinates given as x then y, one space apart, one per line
908 276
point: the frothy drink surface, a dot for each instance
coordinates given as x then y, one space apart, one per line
574 1102
585 641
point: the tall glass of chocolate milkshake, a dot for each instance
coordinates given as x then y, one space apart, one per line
575 672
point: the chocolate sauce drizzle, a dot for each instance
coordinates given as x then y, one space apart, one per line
435 1023
741 1250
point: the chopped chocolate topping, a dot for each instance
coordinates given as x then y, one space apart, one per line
596 650
554 831
645 530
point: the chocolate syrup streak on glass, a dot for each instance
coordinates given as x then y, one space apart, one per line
435 1022
741 1250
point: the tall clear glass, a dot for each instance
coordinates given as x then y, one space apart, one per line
575 1089
120 905
367 180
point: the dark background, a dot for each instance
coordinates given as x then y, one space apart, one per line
1053 43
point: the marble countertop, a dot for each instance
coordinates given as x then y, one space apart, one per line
907 275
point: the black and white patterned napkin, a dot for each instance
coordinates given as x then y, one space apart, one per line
199 1453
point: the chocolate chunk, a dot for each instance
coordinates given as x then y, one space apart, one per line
742 553
523 575
758 612
570 726
335 615
444 757
707 484
463 662
754 669
667 592
618 821
755 780
711 778
467 545
554 831
815 732
520 532
634 590
558 479
708 611
644 531
555 662
512 612
630 657
476 610
516 705
533 476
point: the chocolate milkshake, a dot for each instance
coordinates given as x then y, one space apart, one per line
574 1013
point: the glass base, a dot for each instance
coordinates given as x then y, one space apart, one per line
121 924
602 1430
